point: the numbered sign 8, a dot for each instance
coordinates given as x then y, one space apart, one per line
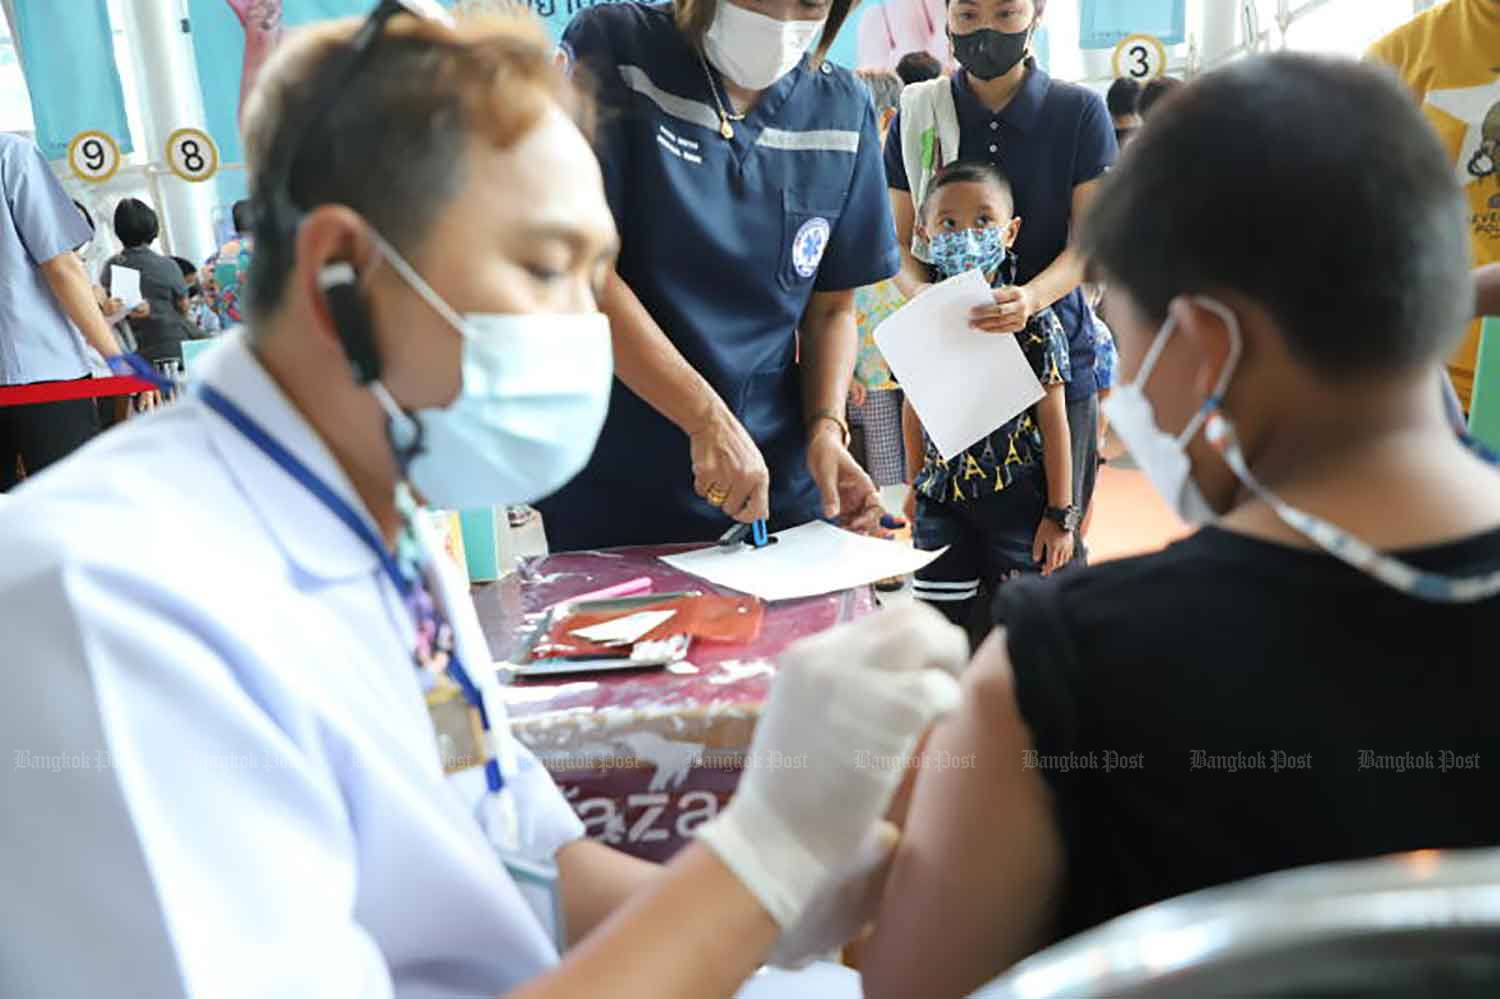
192 155
94 156
1140 57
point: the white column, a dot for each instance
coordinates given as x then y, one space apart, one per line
170 99
1220 30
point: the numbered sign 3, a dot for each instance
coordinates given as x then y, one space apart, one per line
192 155
1140 57
94 156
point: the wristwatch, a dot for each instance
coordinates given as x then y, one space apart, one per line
1065 517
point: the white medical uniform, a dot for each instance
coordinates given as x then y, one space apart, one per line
224 781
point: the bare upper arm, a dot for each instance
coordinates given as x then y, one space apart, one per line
826 305
980 865
595 880
1082 195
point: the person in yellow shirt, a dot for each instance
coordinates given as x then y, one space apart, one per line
1450 57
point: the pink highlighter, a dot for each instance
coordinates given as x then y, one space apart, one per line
629 588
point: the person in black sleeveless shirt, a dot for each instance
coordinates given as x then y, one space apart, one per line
1311 677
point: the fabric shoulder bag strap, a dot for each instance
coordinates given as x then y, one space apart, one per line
929 141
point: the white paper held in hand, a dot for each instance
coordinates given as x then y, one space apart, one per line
805 561
125 284
963 384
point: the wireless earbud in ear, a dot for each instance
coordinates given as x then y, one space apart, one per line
339 284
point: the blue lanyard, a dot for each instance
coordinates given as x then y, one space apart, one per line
308 479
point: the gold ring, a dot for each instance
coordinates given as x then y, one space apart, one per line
717 495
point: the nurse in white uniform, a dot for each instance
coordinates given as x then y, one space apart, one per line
222 625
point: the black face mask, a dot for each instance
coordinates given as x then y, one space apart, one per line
988 53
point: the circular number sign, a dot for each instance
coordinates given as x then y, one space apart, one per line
191 155
1140 57
94 156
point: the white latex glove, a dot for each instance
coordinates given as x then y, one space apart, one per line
846 904
810 793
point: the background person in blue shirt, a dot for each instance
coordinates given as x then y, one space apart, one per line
44 294
744 175
1054 141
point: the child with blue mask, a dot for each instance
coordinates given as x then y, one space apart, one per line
1004 507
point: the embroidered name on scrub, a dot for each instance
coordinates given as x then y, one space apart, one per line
684 149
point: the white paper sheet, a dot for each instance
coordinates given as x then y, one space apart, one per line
806 561
125 284
963 384
624 630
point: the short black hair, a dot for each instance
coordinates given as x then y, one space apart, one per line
968 172
1353 237
188 270
1124 97
916 67
135 223
1153 93
242 215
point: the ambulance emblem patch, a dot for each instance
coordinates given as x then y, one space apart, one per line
808 246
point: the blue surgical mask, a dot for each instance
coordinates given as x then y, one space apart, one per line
955 253
534 398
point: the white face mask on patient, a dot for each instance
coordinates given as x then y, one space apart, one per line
1165 461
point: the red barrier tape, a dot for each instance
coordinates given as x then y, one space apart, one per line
83 388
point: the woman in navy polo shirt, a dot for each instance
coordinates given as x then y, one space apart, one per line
1054 141
745 178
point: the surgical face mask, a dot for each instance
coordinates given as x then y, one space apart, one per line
988 53
1163 457
968 249
754 50
1165 462
534 398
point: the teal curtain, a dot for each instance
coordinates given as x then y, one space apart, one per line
1103 23
68 57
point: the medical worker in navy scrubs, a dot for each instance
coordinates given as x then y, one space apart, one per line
745 178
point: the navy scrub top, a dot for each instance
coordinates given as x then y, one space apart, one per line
724 243
1050 138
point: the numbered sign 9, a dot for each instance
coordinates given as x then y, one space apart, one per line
192 155
1140 58
94 156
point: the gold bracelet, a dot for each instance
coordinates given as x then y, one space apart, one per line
838 421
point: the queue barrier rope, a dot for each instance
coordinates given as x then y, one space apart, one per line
82 388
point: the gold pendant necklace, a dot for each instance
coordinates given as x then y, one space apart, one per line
725 129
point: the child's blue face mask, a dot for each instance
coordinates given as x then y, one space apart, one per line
954 253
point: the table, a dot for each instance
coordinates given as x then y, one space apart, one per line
645 758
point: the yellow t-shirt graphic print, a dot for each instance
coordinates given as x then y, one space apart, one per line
1450 57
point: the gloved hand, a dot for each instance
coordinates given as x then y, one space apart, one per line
823 767
846 904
